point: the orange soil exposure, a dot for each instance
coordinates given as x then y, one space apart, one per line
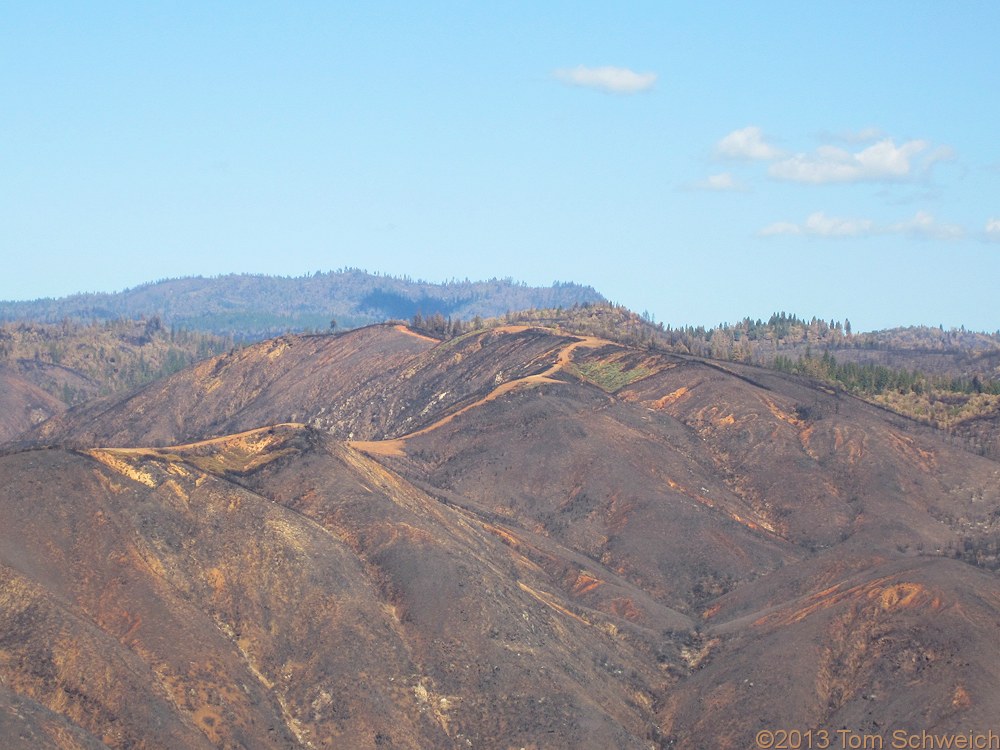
217 579
507 538
889 597
625 607
379 447
123 467
746 522
262 432
960 698
396 447
784 416
711 611
403 329
926 461
900 595
670 398
585 583
855 446
759 525
208 719
805 438
250 449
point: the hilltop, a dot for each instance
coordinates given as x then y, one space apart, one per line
947 379
515 536
253 307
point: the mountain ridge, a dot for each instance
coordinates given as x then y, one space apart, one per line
256 306
516 536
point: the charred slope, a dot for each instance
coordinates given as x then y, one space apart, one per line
292 378
23 405
277 589
777 513
375 382
533 538
907 644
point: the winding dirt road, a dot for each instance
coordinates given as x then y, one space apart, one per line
397 446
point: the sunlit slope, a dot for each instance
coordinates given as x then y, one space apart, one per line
279 589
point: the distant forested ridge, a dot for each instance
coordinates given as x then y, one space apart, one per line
75 362
250 307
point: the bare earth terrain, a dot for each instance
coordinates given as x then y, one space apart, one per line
516 538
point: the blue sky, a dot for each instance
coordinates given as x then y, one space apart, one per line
700 161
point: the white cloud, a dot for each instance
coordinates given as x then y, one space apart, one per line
941 153
881 162
921 226
820 225
720 183
992 233
608 78
925 226
748 143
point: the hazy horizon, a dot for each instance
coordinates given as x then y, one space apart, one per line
701 163
707 324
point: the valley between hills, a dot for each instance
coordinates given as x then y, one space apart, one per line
524 535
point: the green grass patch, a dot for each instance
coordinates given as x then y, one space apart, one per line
608 375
